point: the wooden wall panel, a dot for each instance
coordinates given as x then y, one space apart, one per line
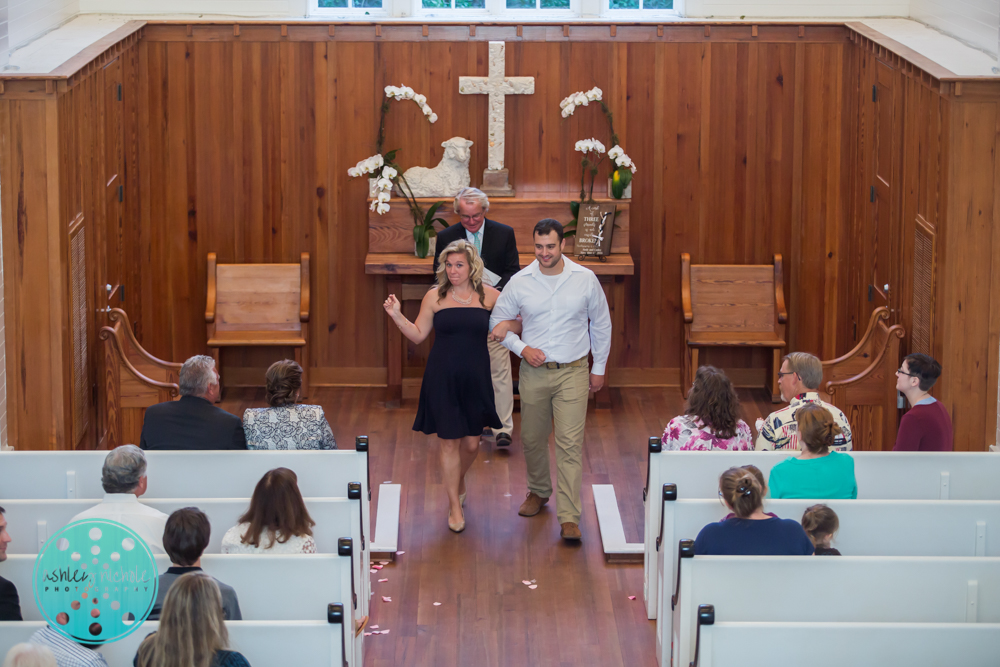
249 143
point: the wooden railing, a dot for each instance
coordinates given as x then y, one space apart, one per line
134 379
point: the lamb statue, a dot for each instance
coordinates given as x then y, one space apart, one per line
446 179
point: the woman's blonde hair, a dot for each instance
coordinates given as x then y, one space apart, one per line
475 269
192 628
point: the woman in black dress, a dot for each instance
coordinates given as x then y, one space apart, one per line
456 397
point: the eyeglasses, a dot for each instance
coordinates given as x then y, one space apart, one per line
781 375
900 371
470 218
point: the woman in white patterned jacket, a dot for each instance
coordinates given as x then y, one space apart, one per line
286 425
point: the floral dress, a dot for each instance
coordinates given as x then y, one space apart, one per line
288 427
688 433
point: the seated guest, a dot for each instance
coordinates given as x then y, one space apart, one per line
29 655
817 472
927 426
184 539
286 425
10 603
193 422
821 523
799 379
711 420
755 471
124 480
192 631
67 652
750 532
277 521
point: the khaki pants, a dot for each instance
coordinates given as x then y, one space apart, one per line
558 395
503 386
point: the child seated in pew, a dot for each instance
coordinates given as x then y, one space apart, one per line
750 531
821 523
818 472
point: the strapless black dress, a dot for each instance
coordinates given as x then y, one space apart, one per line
456 397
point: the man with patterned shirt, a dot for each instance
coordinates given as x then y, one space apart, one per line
798 379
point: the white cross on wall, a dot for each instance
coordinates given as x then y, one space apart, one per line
497 86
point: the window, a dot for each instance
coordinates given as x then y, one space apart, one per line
347 7
641 5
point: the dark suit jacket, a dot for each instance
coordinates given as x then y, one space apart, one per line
191 423
10 604
499 248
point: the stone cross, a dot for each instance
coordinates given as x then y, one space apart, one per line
497 85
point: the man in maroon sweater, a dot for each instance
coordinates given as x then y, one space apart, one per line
927 426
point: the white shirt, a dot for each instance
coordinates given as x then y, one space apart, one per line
125 508
565 323
66 651
232 543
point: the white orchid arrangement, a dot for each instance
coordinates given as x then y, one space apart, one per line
594 151
388 175
581 99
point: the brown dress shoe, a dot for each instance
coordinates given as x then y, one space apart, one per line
532 504
570 531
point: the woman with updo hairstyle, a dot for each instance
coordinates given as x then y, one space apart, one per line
817 472
286 424
711 420
749 531
821 523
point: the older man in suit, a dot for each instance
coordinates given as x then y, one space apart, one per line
498 248
193 422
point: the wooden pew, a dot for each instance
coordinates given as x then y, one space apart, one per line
733 306
845 589
862 383
134 380
954 528
856 644
259 305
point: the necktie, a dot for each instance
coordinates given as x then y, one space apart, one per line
478 241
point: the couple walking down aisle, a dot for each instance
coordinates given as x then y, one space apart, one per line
552 314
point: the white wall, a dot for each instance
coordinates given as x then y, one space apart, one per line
27 19
975 22
289 8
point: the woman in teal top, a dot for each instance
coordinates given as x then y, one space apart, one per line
817 472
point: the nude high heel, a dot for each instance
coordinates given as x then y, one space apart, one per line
456 527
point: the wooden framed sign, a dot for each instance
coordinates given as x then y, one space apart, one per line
593 230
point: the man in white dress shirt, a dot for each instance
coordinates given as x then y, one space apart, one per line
565 317
124 480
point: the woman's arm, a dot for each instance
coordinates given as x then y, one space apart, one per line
419 330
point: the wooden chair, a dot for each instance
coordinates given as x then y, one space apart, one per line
733 306
259 305
862 383
134 380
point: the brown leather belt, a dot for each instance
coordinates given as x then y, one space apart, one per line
552 365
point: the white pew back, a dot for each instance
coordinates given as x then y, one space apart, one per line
854 644
880 476
845 589
867 528
31 522
264 643
309 583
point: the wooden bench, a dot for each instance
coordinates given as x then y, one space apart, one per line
134 380
862 383
259 305
733 306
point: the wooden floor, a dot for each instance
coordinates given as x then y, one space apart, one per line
580 614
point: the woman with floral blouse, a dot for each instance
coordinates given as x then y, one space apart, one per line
711 420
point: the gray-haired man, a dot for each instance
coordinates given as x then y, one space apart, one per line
124 480
193 422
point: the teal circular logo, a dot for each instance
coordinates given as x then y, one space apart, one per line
95 581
